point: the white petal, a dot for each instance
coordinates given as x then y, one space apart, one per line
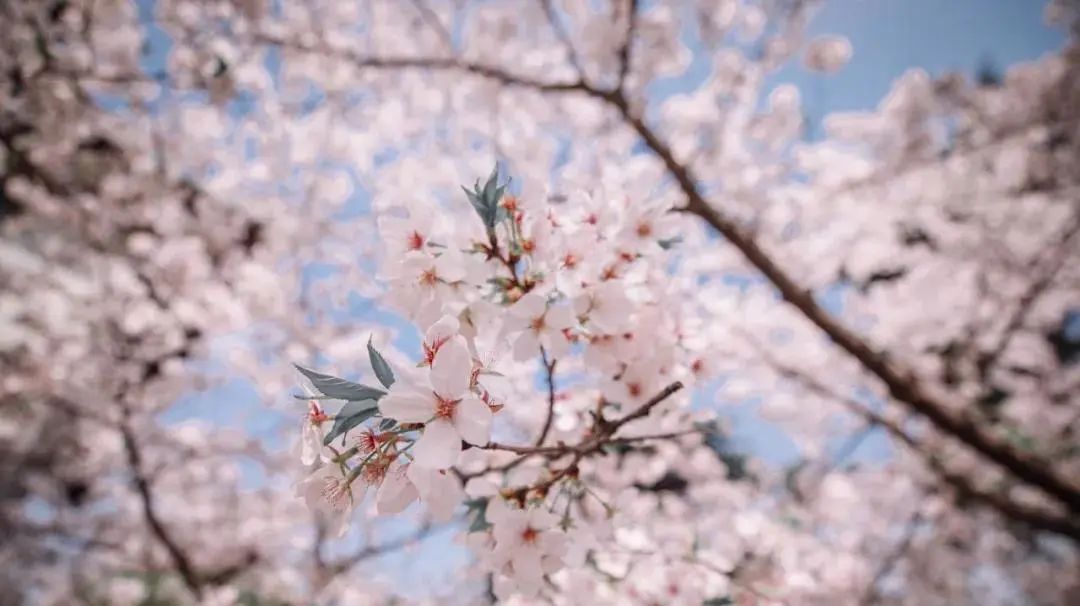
446 327
560 317
527 567
396 492
439 446
452 369
582 304
529 306
408 405
526 346
310 443
479 487
472 418
450 266
440 490
556 343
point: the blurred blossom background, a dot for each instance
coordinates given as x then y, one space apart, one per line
882 204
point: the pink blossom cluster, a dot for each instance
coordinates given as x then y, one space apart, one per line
536 283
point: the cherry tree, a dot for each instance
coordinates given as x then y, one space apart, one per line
199 191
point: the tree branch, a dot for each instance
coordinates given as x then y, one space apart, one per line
142 487
1033 517
1058 255
343 564
549 367
892 559
560 33
627 45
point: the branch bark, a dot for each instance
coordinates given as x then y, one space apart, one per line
549 367
180 559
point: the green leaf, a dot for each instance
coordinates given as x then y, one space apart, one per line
486 200
477 509
669 243
351 415
383 372
724 601
340 388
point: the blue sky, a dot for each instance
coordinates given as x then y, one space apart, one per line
891 36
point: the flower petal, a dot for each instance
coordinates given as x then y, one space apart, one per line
395 493
526 346
472 418
408 405
560 317
440 490
530 306
452 369
446 327
556 343
439 446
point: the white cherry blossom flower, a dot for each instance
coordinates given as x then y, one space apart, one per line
539 325
449 411
528 543
439 489
606 307
396 491
327 492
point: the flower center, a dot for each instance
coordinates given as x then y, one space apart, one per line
429 277
444 408
315 414
375 471
529 535
537 324
644 230
569 261
416 241
335 493
367 441
634 389
431 350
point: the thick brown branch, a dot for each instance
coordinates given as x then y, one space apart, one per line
1035 518
157 527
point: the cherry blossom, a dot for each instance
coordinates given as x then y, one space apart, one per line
539 324
449 411
528 545
328 492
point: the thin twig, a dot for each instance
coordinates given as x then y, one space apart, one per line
627 45
549 368
890 562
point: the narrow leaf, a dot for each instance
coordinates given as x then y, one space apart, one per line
340 388
383 372
351 415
